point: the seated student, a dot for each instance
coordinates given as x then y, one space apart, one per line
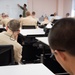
2 16
41 18
55 18
62 43
46 21
68 15
10 37
5 20
29 20
34 15
20 16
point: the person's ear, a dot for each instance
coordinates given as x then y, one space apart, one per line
6 27
19 31
60 54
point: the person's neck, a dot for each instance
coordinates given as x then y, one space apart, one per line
11 33
72 66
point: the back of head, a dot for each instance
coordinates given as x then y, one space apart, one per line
62 35
20 15
14 25
27 13
67 14
3 13
33 13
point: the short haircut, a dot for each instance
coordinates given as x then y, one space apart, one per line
14 25
20 15
67 14
62 36
27 13
33 13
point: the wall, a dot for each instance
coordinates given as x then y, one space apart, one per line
67 6
10 7
60 7
42 7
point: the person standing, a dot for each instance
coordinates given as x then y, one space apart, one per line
23 8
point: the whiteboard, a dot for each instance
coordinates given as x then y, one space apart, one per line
10 7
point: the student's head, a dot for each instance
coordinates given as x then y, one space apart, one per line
33 13
67 14
20 16
62 41
14 25
27 13
3 15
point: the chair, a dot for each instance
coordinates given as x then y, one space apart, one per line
28 27
6 55
2 29
42 26
29 51
29 54
55 20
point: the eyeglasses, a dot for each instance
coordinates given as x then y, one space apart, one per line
52 54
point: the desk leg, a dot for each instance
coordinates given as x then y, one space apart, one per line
43 54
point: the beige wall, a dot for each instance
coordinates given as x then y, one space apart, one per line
42 7
67 6
60 7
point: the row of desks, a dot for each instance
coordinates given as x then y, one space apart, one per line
30 69
43 39
35 32
26 32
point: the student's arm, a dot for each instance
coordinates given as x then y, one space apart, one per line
20 7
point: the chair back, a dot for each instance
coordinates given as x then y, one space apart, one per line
28 27
2 29
6 55
55 20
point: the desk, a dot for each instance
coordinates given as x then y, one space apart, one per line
43 39
26 32
29 69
